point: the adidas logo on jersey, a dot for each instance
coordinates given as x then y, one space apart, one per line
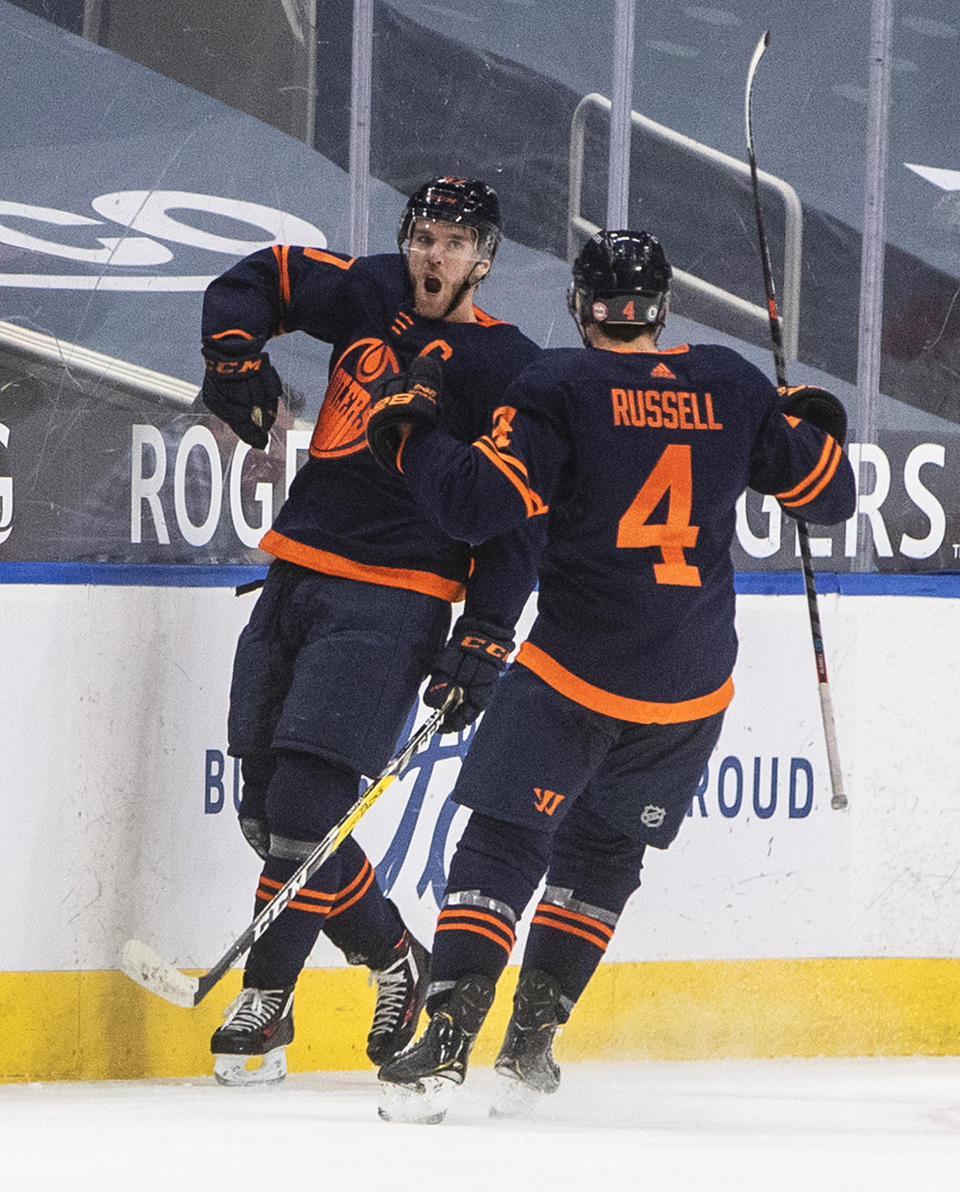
661 370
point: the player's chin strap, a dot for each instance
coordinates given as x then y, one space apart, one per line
469 283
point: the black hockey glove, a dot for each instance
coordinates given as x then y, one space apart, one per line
410 398
252 815
818 407
241 386
256 834
473 660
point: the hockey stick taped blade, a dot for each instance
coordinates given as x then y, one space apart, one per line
143 965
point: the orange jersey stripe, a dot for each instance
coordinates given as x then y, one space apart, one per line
486 320
281 252
622 707
390 577
317 254
824 480
533 502
544 921
812 474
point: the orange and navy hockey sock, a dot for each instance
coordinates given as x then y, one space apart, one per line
493 874
362 922
343 889
568 938
592 873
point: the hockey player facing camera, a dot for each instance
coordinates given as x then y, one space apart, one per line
356 606
593 745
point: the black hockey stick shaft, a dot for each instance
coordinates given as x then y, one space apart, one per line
164 979
838 798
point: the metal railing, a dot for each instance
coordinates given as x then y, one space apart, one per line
579 227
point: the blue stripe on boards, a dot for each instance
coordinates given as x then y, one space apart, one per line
197 575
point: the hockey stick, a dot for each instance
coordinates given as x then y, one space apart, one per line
838 799
147 968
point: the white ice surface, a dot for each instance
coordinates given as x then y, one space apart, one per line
868 1125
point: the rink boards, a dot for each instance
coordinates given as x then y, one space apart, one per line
773 926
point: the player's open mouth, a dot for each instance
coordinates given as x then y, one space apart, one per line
433 285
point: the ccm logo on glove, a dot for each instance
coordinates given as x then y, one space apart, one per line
234 368
473 660
485 646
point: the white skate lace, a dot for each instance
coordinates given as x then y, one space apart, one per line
392 990
253 1008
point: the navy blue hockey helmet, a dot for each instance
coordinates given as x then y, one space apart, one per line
456 200
620 278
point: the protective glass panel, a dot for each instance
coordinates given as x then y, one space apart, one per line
148 147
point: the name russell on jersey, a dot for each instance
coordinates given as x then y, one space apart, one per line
667 408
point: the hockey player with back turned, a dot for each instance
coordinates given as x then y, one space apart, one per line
594 743
356 606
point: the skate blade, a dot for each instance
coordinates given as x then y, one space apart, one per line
424 1103
513 1098
233 1070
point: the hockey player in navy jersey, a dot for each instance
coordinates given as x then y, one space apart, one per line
595 741
356 607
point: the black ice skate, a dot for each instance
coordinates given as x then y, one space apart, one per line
525 1067
259 1022
419 1084
401 991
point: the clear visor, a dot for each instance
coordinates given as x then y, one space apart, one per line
453 241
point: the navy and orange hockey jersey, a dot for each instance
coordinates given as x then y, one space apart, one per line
344 514
637 461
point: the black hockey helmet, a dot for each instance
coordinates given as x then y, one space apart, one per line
456 200
620 278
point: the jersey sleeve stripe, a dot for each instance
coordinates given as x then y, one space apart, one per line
326 561
821 485
622 707
510 460
532 502
282 252
812 475
817 480
328 258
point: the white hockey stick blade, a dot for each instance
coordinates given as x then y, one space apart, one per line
143 965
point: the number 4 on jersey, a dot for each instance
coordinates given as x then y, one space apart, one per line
672 476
